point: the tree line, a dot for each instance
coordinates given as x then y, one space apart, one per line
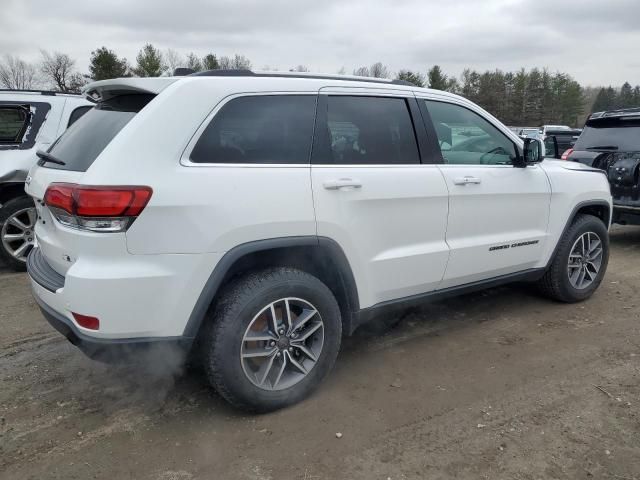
524 97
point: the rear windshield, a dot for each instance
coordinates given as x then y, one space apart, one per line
81 143
614 132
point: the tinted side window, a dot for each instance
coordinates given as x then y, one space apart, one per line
77 113
13 123
367 130
259 129
467 138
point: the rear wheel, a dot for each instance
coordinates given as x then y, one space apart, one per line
17 220
580 261
273 336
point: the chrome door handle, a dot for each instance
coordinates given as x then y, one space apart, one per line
466 180
342 183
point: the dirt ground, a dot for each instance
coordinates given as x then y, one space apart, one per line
496 385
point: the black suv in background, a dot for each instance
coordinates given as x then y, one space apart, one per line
611 141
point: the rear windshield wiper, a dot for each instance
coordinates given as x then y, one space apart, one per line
602 147
47 157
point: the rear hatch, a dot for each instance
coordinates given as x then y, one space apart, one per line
612 143
61 238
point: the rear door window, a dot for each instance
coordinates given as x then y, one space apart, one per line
362 130
81 144
14 120
273 129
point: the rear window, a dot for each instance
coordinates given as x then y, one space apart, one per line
259 129
77 113
611 132
81 143
14 120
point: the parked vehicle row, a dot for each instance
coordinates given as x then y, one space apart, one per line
28 121
611 141
255 219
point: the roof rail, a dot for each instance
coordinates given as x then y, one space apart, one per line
621 112
41 92
249 73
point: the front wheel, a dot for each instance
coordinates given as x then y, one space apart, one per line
580 261
273 337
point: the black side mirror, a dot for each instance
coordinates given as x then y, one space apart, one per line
532 152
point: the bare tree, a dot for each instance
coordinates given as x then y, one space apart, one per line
194 62
238 62
17 74
299 68
59 69
378 70
173 59
362 72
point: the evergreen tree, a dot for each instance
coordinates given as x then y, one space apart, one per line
150 62
210 62
437 79
414 78
105 64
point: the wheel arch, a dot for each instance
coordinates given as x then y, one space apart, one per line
597 208
11 190
318 256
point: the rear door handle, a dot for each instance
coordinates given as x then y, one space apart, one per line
466 180
342 183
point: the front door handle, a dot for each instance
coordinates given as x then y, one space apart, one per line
342 183
466 180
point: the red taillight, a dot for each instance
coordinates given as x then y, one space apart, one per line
92 323
96 208
565 155
111 201
60 195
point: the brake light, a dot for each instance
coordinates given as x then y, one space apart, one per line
96 208
565 155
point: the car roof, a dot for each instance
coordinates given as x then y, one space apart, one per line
268 81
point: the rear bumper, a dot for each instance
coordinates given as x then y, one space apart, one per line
119 350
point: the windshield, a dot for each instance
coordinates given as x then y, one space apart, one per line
80 144
624 135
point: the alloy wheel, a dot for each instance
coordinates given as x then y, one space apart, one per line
585 260
282 344
17 233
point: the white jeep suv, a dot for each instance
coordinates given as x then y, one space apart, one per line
256 218
29 120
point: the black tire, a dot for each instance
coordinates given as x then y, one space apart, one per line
222 337
555 283
6 212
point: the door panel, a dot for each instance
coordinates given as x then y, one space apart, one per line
392 228
386 210
498 214
497 226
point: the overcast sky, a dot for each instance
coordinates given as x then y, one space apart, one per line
596 41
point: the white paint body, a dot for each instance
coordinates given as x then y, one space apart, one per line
408 230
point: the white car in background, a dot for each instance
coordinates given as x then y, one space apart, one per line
29 121
256 218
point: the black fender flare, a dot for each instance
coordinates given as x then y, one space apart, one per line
572 216
324 244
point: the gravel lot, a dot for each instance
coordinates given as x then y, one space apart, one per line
498 385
